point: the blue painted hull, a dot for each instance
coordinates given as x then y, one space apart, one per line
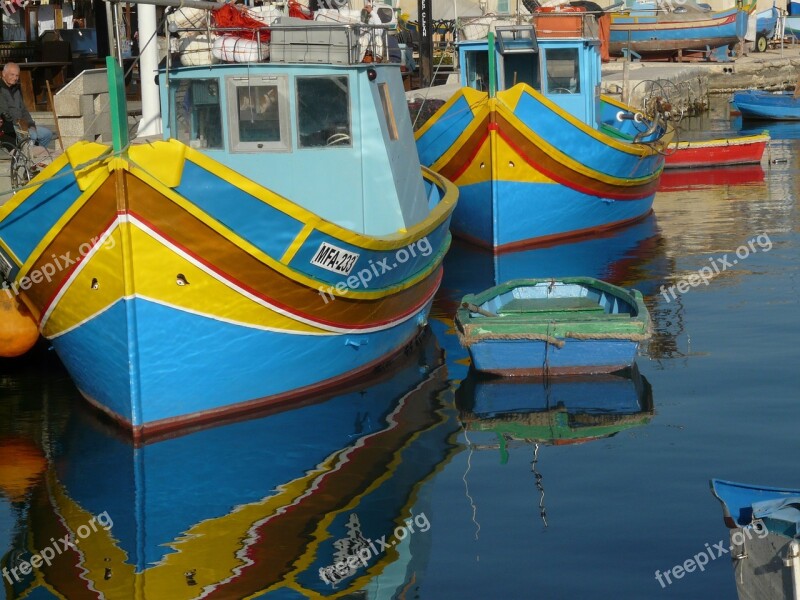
259 363
755 104
509 357
525 213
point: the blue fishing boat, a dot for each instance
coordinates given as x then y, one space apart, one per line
537 155
560 326
211 514
764 525
772 106
280 240
660 29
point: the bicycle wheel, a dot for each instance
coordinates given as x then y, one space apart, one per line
20 170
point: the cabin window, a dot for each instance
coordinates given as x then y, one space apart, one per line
563 70
388 111
521 68
476 68
198 119
323 111
258 114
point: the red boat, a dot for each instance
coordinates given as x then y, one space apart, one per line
738 150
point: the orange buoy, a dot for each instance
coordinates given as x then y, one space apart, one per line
18 330
21 464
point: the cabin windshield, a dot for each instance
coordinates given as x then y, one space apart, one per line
521 68
198 117
563 70
323 111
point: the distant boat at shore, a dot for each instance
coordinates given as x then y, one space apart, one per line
663 29
772 106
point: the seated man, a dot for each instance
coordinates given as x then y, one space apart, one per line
12 104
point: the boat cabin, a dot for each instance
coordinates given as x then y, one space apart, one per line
558 57
315 124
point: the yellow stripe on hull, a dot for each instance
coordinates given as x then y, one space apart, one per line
507 101
147 159
96 285
508 165
573 164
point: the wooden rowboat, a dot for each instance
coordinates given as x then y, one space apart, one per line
564 326
718 152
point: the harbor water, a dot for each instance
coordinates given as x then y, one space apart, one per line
430 482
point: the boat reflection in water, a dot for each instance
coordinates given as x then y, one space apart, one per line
289 504
556 410
623 257
499 414
503 413
682 180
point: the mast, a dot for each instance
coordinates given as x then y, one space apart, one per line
150 123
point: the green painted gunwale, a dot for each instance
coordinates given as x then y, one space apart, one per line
556 324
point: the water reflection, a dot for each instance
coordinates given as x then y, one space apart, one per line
555 411
250 507
506 413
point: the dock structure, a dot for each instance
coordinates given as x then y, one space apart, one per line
688 85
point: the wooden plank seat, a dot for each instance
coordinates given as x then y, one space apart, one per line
534 305
563 317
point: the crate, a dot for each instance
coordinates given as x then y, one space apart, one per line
300 41
564 23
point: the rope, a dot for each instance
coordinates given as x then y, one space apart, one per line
467 340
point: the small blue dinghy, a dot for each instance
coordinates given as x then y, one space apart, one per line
567 326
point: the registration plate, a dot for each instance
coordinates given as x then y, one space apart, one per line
335 259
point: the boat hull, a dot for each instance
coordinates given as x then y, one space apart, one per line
763 526
563 326
175 304
648 34
530 173
716 153
534 357
756 104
